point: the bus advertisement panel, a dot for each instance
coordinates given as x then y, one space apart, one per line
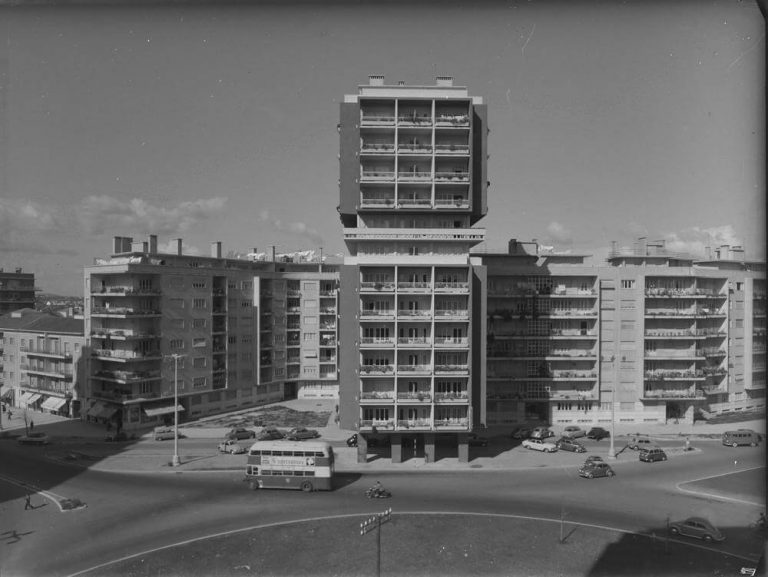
290 465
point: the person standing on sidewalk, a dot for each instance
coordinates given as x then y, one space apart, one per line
28 502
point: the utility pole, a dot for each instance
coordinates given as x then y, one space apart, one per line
375 523
176 461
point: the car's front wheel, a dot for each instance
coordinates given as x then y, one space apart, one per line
590 476
708 538
306 486
610 474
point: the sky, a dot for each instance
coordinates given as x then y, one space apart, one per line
610 120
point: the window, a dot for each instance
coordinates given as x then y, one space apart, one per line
199 323
199 342
413 250
176 344
246 303
199 382
176 302
199 283
199 303
628 284
199 362
310 337
246 285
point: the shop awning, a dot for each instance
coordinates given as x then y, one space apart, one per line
6 394
107 411
25 397
95 410
156 410
53 403
34 398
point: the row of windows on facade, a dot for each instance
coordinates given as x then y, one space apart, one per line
245 339
43 345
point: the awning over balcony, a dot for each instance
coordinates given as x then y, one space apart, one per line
53 403
164 409
102 411
30 398
6 394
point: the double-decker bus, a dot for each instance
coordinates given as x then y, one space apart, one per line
290 465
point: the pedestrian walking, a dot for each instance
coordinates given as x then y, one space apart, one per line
31 426
10 415
28 502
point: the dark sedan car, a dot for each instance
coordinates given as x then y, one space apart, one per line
521 433
598 433
270 434
697 527
301 433
567 444
596 469
237 434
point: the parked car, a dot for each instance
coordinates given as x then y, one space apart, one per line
232 447
521 433
164 433
476 440
596 469
637 443
697 527
593 459
652 454
597 433
270 434
568 444
301 433
34 439
541 433
574 432
238 434
539 445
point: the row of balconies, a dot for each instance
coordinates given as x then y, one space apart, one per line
386 148
410 315
122 334
368 286
379 342
125 355
47 387
127 376
415 119
673 394
116 291
437 203
558 395
668 375
54 354
501 291
445 369
421 396
449 424
558 354
689 292
124 311
498 373
54 371
542 332
414 176
693 311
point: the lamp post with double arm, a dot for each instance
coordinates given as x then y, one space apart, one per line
176 461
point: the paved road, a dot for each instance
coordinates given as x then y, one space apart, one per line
128 514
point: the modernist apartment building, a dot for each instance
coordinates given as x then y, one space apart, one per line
17 290
648 337
43 369
233 333
412 186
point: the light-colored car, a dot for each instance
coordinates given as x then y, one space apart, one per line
164 433
301 433
697 527
568 444
232 447
574 432
238 433
542 433
34 439
539 445
638 443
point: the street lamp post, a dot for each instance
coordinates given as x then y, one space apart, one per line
176 461
612 448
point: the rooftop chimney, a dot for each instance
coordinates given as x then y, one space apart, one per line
444 80
376 80
178 246
152 244
216 249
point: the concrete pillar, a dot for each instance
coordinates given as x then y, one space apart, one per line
463 448
362 449
397 448
429 448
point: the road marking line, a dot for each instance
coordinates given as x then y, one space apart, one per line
715 495
401 513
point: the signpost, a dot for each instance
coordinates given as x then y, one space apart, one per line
375 523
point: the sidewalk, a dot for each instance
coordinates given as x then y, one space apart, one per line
144 457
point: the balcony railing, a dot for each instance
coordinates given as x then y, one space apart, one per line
126 355
378 148
450 149
377 395
412 176
414 314
414 286
461 120
369 313
124 311
451 203
414 424
452 286
453 176
673 394
48 354
377 175
414 341
377 341
451 341
420 369
384 424
661 375
452 314
128 376
415 148
377 120
452 369
386 286
125 291
376 202
376 369
457 423
414 203
451 397
420 396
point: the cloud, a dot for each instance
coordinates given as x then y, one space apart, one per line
103 213
558 233
171 247
694 240
298 228
26 226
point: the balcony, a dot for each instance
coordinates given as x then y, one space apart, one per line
452 176
407 148
451 314
459 398
673 394
414 176
415 119
48 354
419 287
414 369
376 370
452 342
370 286
455 424
377 342
377 176
124 355
377 119
122 312
452 287
414 342
452 149
451 369
378 148
673 355
324 342
420 396
127 376
118 291
387 202
379 424
415 424
408 314
371 314
662 375
123 397
122 334
452 120
451 203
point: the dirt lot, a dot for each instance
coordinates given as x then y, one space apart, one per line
273 415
